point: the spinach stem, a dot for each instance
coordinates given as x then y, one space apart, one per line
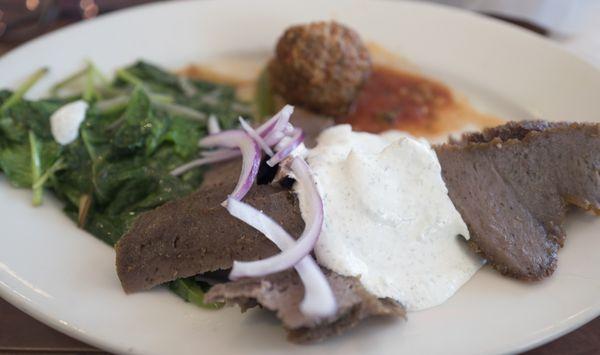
36 169
97 73
88 146
161 98
18 94
68 80
93 156
186 86
191 292
58 165
116 123
112 105
85 201
126 76
183 111
91 72
89 91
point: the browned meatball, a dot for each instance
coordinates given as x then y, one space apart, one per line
320 66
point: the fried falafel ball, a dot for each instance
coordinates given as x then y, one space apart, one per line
320 66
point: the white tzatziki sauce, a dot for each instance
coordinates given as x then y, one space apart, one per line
387 217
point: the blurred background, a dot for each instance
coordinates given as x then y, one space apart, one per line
21 20
573 23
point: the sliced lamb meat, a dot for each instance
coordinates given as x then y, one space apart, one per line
510 130
283 292
512 185
175 240
221 174
195 234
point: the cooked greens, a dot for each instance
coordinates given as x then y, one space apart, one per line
191 291
138 128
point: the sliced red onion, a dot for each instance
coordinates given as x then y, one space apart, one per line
216 157
223 139
226 153
250 156
282 122
274 138
248 142
283 115
289 129
264 129
294 141
257 138
277 129
318 300
304 245
213 125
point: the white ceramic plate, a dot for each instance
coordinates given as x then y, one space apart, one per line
66 278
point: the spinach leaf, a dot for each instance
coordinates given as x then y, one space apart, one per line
76 178
21 167
26 115
137 124
137 129
189 290
15 163
184 134
208 98
109 228
155 78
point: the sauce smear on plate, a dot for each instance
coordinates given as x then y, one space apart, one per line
392 99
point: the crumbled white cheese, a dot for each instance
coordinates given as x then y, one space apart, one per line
65 122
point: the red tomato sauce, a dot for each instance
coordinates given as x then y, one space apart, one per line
392 99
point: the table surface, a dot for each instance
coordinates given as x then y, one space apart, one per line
23 334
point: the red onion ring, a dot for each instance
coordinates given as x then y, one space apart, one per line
212 157
251 155
318 300
247 142
223 139
264 130
257 138
304 245
283 115
295 140
224 152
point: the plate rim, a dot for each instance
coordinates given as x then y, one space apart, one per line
30 308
